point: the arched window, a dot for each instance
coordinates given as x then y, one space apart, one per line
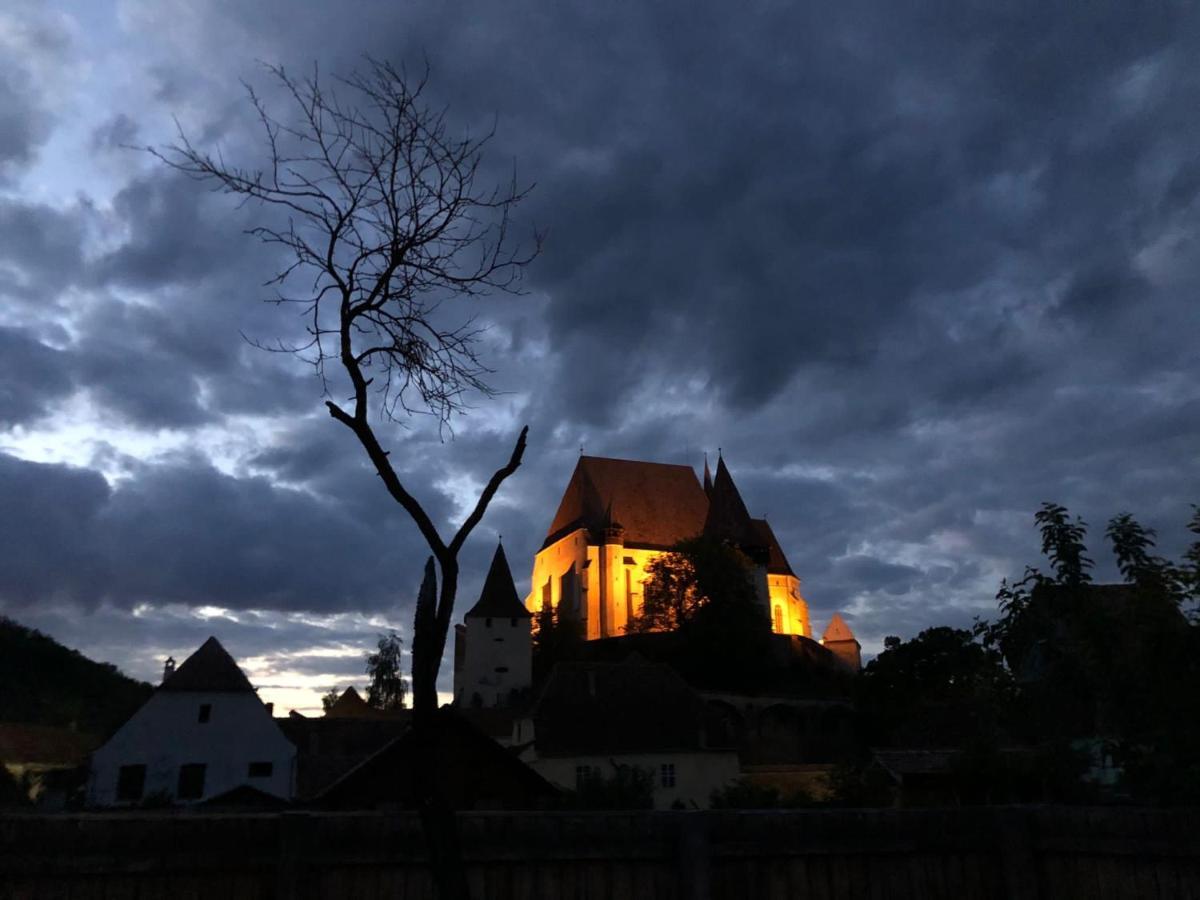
778 619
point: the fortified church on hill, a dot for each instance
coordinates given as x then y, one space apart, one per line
615 517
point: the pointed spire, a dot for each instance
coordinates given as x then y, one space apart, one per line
728 517
498 599
837 630
707 477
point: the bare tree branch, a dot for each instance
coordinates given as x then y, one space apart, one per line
382 221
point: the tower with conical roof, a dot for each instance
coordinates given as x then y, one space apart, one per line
492 648
840 641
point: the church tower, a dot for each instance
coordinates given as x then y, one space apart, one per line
840 640
492 648
728 520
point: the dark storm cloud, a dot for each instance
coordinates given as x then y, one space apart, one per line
182 532
27 44
31 376
916 273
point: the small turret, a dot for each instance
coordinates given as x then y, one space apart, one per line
841 642
168 668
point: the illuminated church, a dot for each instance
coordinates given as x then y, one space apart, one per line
617 515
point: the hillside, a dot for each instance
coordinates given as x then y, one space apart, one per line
42 682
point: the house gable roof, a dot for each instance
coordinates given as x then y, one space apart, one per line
658 504
210 668
498 599
351 705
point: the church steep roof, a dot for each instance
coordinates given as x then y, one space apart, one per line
777 563
210 668
498 599
727 516
658 504
837 630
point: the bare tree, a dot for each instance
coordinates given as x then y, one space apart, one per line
383 220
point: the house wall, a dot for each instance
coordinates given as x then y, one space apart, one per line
497 660
697 773
166 733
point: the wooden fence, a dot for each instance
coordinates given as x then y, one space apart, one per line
1015 852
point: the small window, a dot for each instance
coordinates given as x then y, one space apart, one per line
205 713
583 774
191 781
512 623
131 782
502 669
668 775
487 623
261 769
629 561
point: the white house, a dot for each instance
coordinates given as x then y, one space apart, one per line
593 719
202 733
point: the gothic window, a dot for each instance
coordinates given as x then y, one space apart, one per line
205 713
667 775
778 619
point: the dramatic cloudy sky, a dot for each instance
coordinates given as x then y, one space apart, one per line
915 271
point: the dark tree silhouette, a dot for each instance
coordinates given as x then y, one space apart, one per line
329 698
697 573
557 635
388 688
384 221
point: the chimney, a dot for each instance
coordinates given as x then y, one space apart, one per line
168 668
270 709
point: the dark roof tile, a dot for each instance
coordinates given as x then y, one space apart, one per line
210 668
658 505
498 599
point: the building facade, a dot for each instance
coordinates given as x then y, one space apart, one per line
493 652
616 516
203 733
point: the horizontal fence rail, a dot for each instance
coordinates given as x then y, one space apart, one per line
1024 853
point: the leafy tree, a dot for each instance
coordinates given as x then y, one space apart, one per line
557 635
1115 661
1152 575
703 590
1190 571
388 688
698 573
941 688
384 222
1062 542
329 698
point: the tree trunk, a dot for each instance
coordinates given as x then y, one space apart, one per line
437 815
